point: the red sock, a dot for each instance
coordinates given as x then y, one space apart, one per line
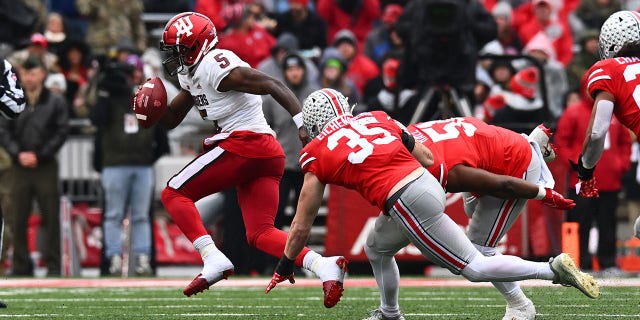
184 214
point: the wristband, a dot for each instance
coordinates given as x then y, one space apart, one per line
542 193
297 119
584 174
285 266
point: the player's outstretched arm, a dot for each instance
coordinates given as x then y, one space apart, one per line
177 110
308 205
249 80
594 141
464 178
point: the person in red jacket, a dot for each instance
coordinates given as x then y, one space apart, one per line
556 29
355 15
360 68
615 161
250 41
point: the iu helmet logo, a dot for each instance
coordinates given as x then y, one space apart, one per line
183 26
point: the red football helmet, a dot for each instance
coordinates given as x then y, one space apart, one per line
188 36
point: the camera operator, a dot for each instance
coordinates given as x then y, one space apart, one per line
442 39
125 154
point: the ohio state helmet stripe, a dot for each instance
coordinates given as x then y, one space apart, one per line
334 101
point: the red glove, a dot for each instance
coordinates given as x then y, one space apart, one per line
277 279
556 200
285 266
588 188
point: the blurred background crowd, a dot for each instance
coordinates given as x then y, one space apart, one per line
513 63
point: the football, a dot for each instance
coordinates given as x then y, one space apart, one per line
150 102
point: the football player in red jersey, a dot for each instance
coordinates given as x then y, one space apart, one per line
496 188
372 154
614 84
243 153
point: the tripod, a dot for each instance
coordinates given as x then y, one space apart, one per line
451 104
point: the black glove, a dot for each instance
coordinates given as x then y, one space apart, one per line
584 174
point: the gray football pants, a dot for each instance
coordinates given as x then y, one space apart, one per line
417 216
491 217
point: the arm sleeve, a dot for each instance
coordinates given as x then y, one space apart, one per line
601 123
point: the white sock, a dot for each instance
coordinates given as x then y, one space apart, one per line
510 290
310 261
387 277
205 245
505 269
516 299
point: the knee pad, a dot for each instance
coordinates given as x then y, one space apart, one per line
370 252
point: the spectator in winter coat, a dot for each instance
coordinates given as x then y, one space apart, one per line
555 29
355 15
306 25
251 42
360 68
379 41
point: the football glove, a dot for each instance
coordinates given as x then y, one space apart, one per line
556 200
587 188
284 271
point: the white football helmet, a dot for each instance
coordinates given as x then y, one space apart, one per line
322 106
620 28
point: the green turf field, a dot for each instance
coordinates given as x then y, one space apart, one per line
306 303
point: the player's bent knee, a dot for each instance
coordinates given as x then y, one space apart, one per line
167 195
470 272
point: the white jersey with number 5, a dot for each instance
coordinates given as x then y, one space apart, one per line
232 110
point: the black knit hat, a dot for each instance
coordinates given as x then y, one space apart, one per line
291 60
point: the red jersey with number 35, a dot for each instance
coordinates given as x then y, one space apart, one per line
472 142
621 78
364 153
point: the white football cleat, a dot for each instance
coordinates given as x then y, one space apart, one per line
567 274
541 136
331 271
216 267
525 312
378 315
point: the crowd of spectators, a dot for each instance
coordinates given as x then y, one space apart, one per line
343 43
350 45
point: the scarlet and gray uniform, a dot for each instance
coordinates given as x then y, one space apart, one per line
473 143
366 153
244 155
619 76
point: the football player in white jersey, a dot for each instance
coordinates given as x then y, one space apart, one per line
12 102
243 153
